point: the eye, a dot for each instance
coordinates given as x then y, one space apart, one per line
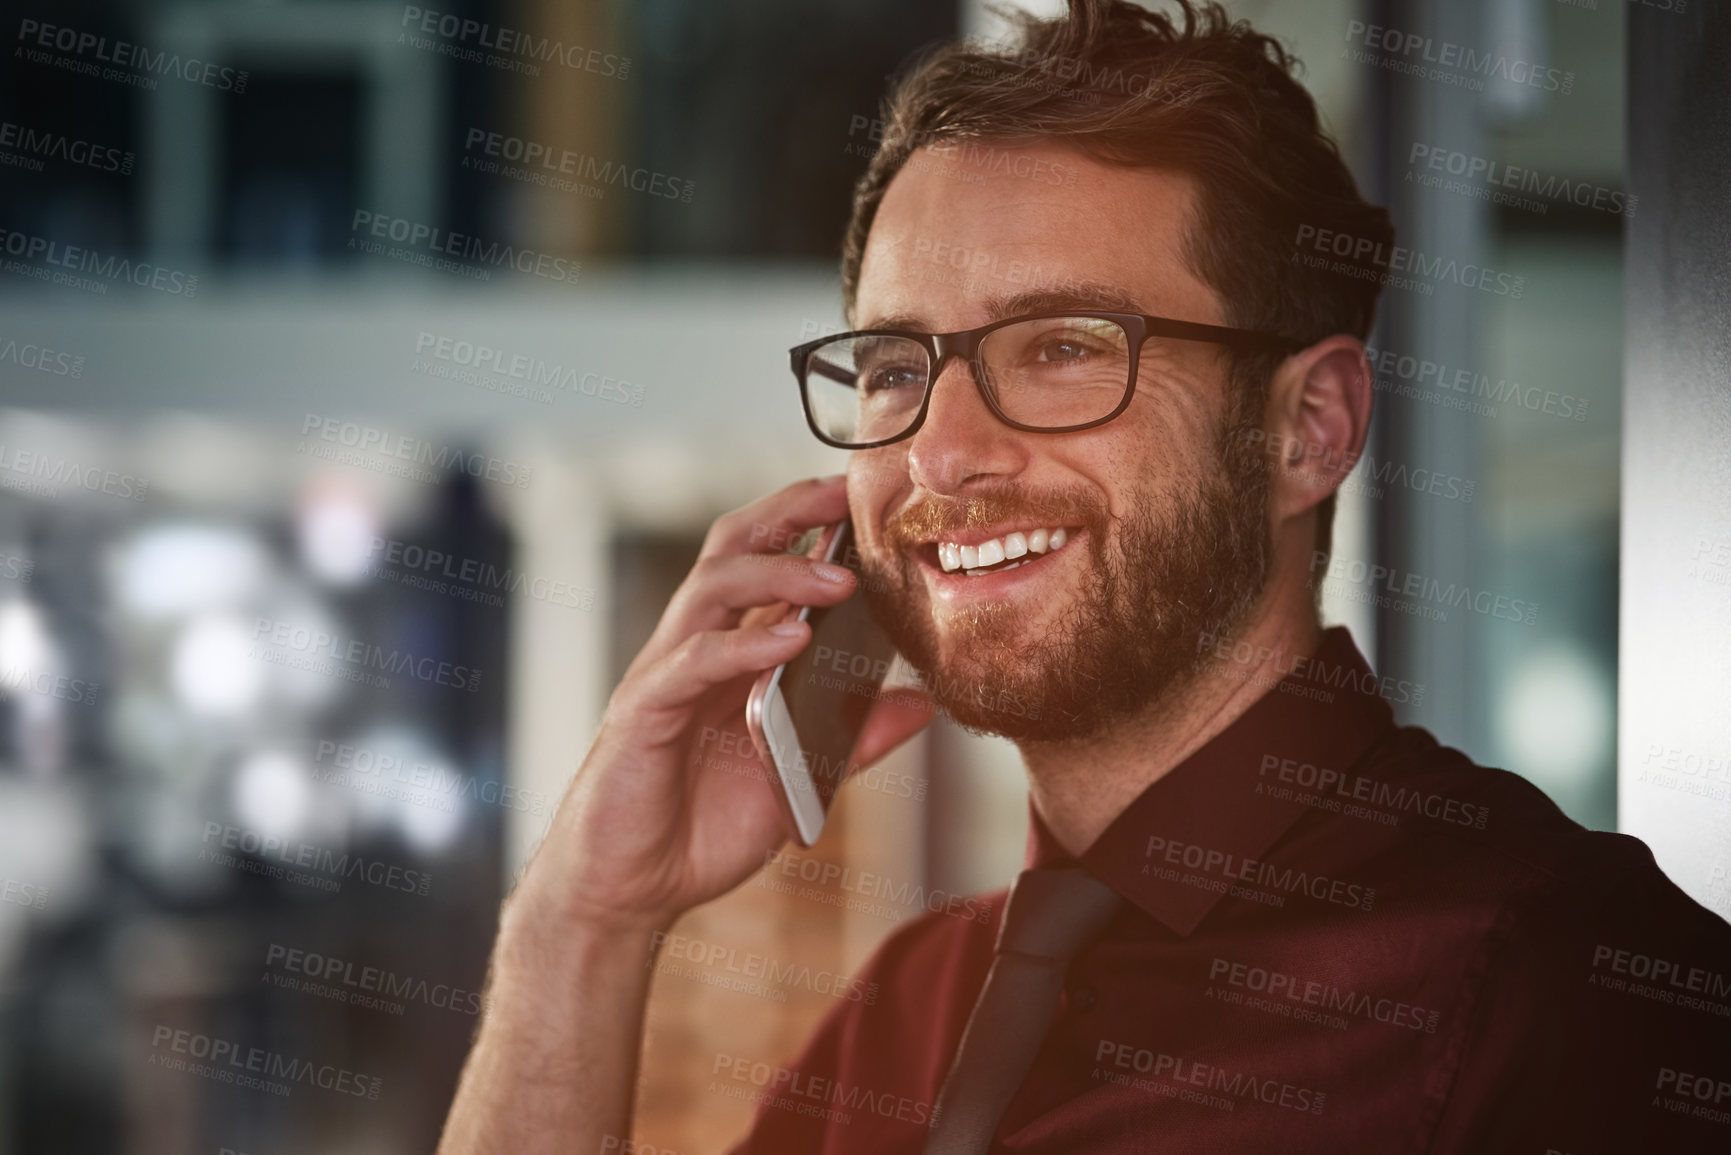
1067 342
885 378
1063 348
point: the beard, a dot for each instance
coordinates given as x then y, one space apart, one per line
1173 572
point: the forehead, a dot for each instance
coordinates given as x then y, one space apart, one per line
967 230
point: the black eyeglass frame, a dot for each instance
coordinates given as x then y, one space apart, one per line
940 347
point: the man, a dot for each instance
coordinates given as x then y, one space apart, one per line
1259 916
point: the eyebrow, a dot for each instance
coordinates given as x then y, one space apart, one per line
1084 296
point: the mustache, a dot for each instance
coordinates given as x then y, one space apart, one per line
927 518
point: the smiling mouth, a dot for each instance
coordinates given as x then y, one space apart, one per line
1000 553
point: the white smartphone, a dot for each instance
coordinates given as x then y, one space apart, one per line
805 716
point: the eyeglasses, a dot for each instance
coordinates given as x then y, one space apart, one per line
1041 373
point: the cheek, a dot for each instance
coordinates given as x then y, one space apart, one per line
1174 433
874 477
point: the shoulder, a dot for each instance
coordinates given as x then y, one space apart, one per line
1506 822
1597 991
1555 907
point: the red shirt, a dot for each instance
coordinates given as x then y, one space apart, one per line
1339 936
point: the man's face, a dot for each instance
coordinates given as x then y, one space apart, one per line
1162 538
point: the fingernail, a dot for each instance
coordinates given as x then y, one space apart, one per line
838 574
787 629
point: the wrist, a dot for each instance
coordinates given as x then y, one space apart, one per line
536 941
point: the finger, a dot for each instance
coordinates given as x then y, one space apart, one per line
718 590
771 524
895 717
664 692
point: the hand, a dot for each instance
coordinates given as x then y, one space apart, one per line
672 807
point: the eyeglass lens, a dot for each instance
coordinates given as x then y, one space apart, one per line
1047 372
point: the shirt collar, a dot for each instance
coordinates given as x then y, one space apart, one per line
1326 711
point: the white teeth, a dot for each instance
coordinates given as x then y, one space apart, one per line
978 559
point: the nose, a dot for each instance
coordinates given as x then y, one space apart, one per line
962 442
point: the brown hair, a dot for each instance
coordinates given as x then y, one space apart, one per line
1208 97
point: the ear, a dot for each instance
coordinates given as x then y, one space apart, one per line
1318 416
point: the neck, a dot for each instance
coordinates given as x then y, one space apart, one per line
1080 787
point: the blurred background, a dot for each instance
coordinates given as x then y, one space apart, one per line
325 529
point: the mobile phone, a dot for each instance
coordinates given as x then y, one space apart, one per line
805 716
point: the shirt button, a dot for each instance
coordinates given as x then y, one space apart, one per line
1083 998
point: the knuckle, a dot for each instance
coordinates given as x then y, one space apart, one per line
700 583
687 652
720 530
701 645
703 572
